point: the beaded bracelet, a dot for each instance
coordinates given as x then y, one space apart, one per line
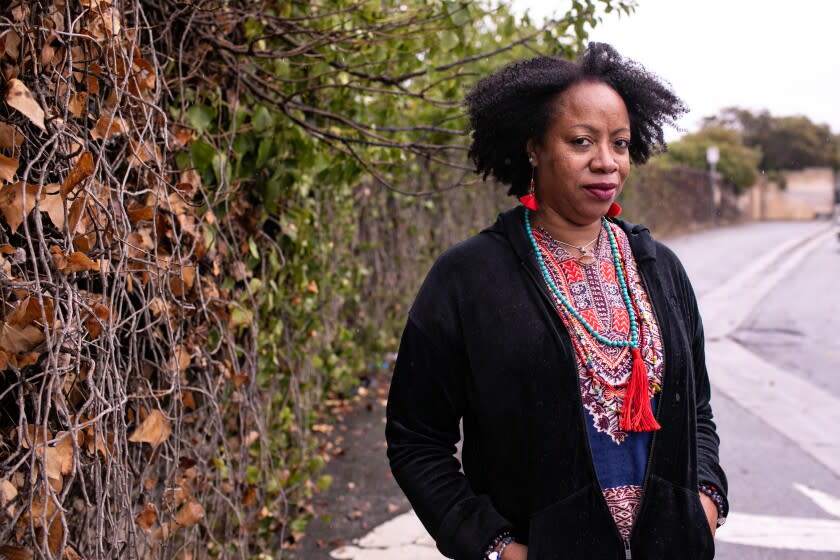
501 541
717 497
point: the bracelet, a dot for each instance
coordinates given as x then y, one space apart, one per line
716 496
497 547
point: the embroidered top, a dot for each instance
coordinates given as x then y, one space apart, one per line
620 457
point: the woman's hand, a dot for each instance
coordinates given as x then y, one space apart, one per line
515 551
711 511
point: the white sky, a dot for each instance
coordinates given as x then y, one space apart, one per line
780 55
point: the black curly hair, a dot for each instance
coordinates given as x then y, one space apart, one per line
516 104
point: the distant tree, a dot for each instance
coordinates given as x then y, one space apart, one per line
738 163
791 142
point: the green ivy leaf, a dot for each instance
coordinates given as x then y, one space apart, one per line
201 117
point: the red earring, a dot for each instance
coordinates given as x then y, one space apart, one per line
615 210
529 200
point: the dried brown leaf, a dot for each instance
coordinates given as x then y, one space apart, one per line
8 492
37 435
96 442
8 168
190 182
181 358
76 262
109 19
20 339
180 285
20 12
189 514
250 497
92 79
23 360
27 312
79 262
53 204
10 552
188 400
19 97
11 44
146 518
154 430
78 104
85 242
144 73
137 213
182 136
16 202
71 554
10 71
144 152
108 126
175 496
82 170
63 450
93 321
47 55
75 214
56 533
175 203
10 136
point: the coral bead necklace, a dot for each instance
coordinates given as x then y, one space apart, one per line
636 414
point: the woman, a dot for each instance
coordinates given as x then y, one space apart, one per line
568 342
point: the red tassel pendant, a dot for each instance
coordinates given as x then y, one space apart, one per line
615 210
636 414
529 201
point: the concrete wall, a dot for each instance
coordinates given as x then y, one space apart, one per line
814 186
809 194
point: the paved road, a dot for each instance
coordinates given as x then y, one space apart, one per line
768 370
771 308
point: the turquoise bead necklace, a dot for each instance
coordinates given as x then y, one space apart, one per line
633 341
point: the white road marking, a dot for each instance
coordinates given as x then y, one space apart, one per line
791 405
829 504
788 533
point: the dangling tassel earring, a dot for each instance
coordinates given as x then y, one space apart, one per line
529 200
615 210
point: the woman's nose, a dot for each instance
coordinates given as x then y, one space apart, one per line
603 159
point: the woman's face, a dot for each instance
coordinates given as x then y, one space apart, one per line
584 158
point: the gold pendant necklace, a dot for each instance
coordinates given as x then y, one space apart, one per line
585 258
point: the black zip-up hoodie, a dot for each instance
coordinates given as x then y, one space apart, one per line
483 342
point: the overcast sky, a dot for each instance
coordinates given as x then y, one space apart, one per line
780 55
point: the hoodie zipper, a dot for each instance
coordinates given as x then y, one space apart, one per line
627 553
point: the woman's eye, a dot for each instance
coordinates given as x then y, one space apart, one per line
581 141
623 144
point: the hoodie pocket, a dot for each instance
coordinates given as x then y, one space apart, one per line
574 527
673 525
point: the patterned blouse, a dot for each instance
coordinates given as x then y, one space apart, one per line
620 457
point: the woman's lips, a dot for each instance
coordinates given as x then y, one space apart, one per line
601 191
